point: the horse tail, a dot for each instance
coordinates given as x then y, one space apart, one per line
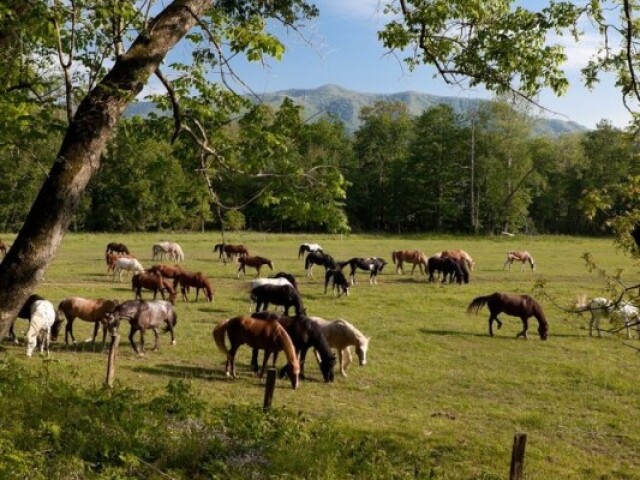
300 251
218 335
174 316
393 257
477 304
209 289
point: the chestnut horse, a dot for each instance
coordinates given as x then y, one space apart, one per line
87 309
523 306
459 255
167 271
186 280
269 336
152 281
255 262
520 256
416 257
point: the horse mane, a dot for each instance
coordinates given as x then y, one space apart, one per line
287 347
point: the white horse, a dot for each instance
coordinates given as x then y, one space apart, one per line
160 249
602 307
341 335
129 264
43 314
520 256
175 252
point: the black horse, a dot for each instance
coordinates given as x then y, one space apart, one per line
304 334
340 282
451 269
289 277
117 248
284 295
318 258
374 265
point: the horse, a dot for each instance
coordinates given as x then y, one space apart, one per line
3 249
308 247
284 295
372 264
275 280
339 284
459 255
115 247
186 280
304 334
129 264
318 258
88 309
175 252
289 277
450 268
152 281
25 313
230 251
602 307
416 257
42 318
342 335
522 256
160 249
142 315
167 271
255 262
523 306
269 336
112 257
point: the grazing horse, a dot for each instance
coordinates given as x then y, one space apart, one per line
523 306
43 316
229 252
459 255
372 264
269 336
339 284
142 315
186 280
342 335
122 264
416 257
25 313
152 281
283 279
167 271
160 249
308 247
3 249
318 258
255 262
174 252
115 247
304 334
602 307
284 295
289 277
112 257
450 268
523 257
87 309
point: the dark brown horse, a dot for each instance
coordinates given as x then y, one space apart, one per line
154 282
198 280
269 336
117 248
255 262
523 306
230 252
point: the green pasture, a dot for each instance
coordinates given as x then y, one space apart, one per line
435 382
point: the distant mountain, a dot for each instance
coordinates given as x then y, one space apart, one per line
346 104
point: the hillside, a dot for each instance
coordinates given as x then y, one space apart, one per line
346 104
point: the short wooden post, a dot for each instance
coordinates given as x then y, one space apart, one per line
269 389
113 354
517 456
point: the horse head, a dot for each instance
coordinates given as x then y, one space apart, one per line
361 351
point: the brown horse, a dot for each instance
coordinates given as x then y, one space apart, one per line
255 262
416 257
167 271
230 252
3 249
87 309
269 336
459 255
523 306
152 281
520 256
186 280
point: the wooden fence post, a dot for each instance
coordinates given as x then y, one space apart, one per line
517 456
269 388
113 355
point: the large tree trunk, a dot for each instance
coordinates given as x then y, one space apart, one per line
79 156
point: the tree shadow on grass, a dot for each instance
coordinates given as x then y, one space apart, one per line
533 334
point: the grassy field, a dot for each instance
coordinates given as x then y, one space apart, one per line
435 381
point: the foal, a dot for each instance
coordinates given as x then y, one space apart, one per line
520 256
255 262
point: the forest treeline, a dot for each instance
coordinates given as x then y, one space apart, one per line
268 169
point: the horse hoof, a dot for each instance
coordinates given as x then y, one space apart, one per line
173 342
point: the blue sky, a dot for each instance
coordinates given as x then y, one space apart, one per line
341 47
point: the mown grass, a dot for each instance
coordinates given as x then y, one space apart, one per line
436 387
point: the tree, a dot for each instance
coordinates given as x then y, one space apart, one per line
79 156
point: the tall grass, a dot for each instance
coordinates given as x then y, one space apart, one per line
437 399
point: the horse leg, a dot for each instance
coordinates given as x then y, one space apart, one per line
68 331
525 327
231 361
156 345
493 317
302 356
133 344
254 360
267 352
96 326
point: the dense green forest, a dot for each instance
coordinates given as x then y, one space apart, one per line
483 171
